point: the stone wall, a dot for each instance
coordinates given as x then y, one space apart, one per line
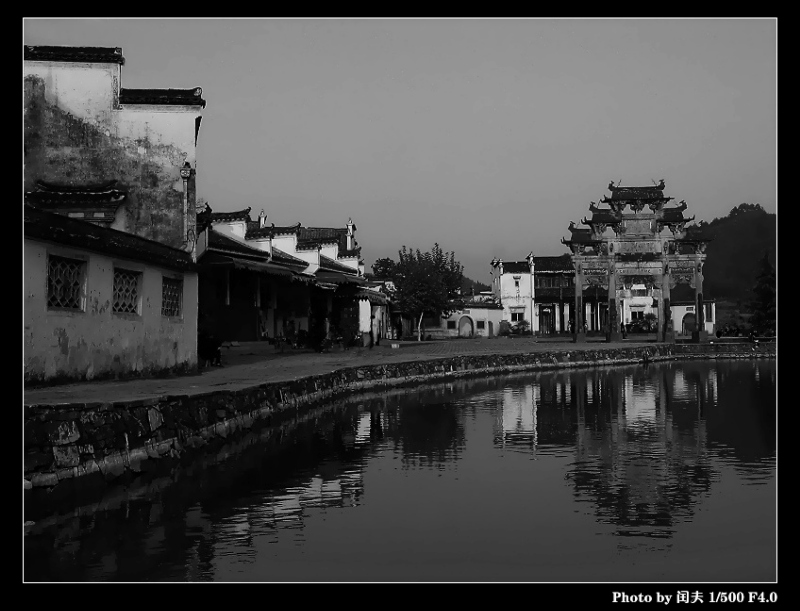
72 448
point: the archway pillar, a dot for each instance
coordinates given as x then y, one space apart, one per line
699 334
666 330
578 333
613 334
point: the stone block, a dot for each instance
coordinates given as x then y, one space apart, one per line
66 456
62 433
68 473
155 418
44 479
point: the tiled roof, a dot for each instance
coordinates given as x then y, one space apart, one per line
68 196
174 97
646 192
223 243
581 235
329 264
110 55
264 232
349 253
674 215
562 263
606 217
226 217
309 237
51 227
516 267
321 235
286 259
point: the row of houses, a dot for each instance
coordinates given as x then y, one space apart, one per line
121 268
539 294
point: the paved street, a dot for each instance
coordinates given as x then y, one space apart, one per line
253 363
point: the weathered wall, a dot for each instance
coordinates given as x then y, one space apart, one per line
76 134
66 445
97 343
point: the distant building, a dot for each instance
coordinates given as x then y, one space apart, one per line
478 318
110 282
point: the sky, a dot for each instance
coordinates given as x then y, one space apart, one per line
486 136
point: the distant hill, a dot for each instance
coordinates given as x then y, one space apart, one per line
738 242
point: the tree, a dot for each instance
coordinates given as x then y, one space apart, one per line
427 283
384 268
762 307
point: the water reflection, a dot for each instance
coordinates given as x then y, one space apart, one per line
641 453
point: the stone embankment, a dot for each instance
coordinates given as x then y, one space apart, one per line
79 446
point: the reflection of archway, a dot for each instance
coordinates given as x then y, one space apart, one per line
689 323
465 327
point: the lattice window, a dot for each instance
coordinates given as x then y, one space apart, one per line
65 281
126 291
171 296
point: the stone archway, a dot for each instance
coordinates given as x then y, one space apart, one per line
689 323
466 327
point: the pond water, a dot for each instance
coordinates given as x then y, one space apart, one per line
660 473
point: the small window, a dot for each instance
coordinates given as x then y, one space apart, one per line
171 296
66 280
451 324
516 283
516 316
481 324
127 288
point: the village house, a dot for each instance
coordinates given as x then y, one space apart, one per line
477 318
540 291
325 293
109 248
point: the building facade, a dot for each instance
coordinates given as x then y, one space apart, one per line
110 282
102 303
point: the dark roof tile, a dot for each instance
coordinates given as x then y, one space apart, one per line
222 243
326 263
63 197
285 258
110 55
51 227
173 97
226 217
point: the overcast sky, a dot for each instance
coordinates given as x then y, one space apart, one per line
487 136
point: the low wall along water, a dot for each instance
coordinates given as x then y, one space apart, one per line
74 449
